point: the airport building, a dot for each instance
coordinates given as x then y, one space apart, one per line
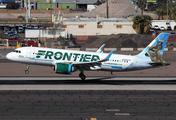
97 26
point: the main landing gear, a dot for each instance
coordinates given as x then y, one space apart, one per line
82 76
27 71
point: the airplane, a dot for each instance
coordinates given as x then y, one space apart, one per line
67 61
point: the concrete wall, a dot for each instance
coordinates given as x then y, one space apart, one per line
29 33
160 23
90 28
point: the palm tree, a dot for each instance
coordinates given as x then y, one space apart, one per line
142 23
174 12
163 10
160 12
141 4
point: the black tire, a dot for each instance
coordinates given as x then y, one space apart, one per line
26 71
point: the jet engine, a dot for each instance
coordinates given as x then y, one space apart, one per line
63 68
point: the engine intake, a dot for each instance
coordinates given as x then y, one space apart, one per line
63 68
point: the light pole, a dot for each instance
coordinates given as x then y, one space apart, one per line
107 8
28 10
50 12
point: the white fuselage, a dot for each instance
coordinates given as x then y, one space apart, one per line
50 56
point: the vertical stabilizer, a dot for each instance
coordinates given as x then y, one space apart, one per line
156 48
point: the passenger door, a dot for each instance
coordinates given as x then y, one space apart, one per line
28 53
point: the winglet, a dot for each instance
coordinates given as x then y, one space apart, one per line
108 57
100 49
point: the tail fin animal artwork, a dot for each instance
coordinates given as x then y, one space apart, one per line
155 49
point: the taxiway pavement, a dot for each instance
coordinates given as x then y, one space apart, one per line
84 105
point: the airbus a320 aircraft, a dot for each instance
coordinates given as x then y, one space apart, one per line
67 61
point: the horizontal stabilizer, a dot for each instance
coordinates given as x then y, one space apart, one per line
159 64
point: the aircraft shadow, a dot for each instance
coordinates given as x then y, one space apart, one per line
99 81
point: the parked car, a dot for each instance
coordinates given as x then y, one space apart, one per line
6 31
28 27
156 27
169 28
162 28
24 25
12 35
36 27
14 30
32 27
151 29
20 30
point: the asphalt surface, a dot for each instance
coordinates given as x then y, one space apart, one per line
83 105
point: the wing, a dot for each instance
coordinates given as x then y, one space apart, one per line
92 65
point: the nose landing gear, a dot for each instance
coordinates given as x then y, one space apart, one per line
27 71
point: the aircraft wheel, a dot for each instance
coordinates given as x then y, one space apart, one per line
26 71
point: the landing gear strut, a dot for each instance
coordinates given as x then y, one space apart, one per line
82 76
27 71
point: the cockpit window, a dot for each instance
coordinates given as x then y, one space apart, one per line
17 51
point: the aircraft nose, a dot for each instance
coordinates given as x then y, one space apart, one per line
9 56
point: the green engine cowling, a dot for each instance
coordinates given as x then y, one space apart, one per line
63 68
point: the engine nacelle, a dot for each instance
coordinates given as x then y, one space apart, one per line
63 68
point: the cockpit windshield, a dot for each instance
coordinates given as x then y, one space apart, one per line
17 51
